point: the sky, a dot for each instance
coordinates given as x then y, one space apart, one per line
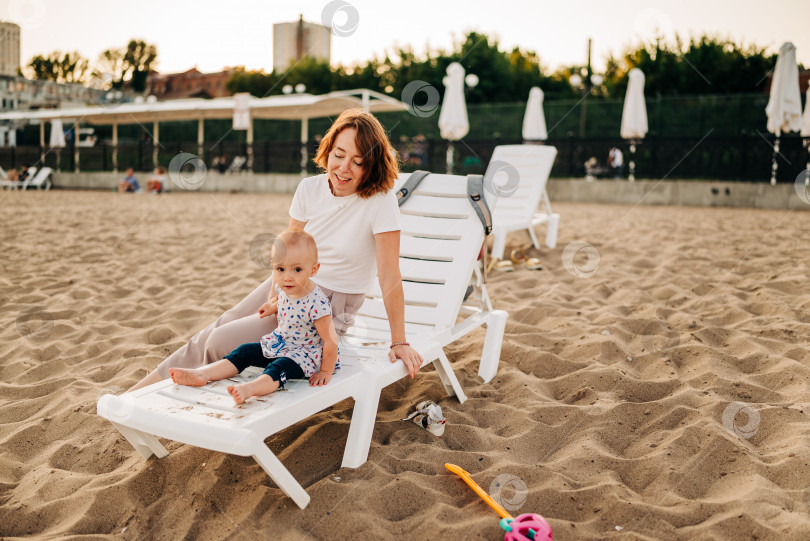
212 34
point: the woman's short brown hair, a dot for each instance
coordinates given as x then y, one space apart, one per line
380 158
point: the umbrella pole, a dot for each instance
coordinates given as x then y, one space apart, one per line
774 164
449 157
632 176
807 168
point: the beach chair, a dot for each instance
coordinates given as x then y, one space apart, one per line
433 255
14 184
36 179
441 240
520 173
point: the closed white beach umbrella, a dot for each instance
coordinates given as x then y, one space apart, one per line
57 140
534 121
784 107
453 122
634 115
57 134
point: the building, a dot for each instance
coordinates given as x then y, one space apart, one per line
18 93
294 41
189 84
9 49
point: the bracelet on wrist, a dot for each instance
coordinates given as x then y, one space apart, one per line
395 344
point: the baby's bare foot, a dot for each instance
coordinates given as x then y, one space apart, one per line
241 392
183 376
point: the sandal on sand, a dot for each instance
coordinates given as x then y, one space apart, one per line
428 415
530 263
501 265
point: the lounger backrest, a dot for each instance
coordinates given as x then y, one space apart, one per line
531 165
40 176
440 241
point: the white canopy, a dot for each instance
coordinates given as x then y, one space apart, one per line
784 107
287 107
634 114
453 122
534 122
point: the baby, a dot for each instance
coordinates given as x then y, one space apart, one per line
303 345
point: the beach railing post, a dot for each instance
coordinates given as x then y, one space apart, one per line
76 147
155 143
115 147
774 164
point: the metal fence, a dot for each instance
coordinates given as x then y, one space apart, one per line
743 157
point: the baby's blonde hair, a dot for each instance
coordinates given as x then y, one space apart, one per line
293 237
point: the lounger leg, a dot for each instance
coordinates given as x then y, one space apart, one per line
281 475
448 377
551 233
364 416
496 323
535 242
498 243
145 444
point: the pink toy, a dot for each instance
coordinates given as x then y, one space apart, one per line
526 527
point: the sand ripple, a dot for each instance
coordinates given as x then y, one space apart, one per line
666 394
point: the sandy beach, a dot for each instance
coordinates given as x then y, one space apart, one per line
662 394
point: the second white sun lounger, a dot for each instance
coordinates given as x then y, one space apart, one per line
520 173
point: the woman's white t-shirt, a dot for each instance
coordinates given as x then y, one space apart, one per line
344 229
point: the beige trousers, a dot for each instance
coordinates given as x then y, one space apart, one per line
242 324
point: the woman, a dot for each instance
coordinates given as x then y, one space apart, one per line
352 212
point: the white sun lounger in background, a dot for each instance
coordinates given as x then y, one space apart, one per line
440 243
36 179
14 184
521 171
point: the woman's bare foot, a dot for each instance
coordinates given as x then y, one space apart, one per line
262 385
190 377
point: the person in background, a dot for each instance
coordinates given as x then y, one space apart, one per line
616 162
129 184
157 181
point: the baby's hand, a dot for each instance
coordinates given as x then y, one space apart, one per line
320 379
269 308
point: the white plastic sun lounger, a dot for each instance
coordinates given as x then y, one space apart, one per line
440 246
36 179
521 171
436 266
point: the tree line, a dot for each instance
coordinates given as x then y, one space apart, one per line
704 65
116 67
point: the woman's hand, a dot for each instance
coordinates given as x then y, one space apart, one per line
320 379
413 361
269 308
